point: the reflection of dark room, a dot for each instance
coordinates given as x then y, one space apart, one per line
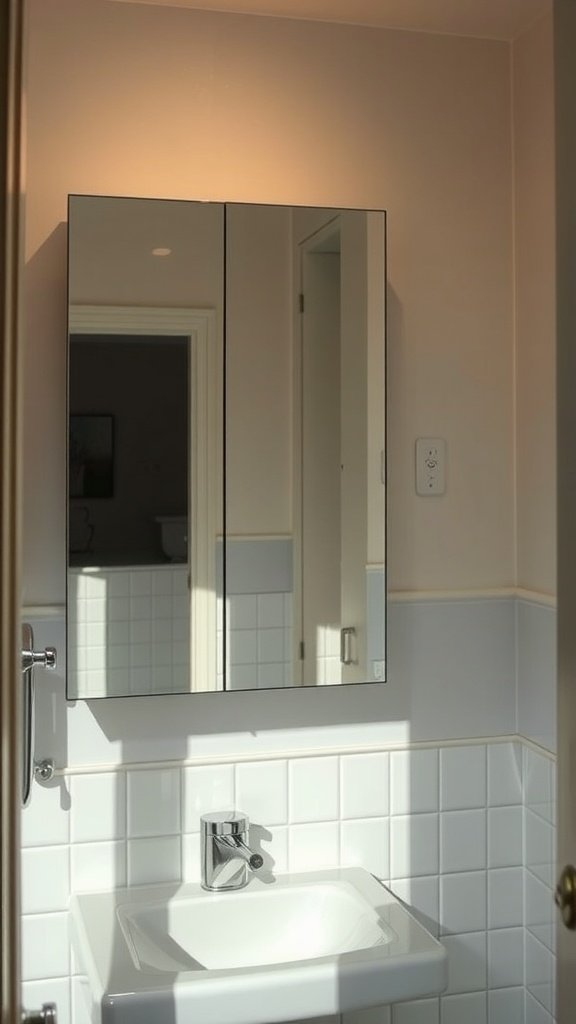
144 384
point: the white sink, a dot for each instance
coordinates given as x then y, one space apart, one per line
301 946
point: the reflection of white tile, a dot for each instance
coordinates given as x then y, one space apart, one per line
243 646
242 611
271 676
271 610
271 645
140 583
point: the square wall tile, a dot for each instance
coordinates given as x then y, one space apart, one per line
373 1015
540 912
463 902
535 1012
48 990
421 896
417 1011
540 972
154 860
314 846
45 822
153 800
314 787
45 879
262 791
466 962
413 781
366 844
538 772
504 837
462 841
191 858
242 611
505 897
206 789
98 807
81 998
470 1008
539 846
462 778
45 946
98 866
505 958
364 785
414 845
506 1006
504 774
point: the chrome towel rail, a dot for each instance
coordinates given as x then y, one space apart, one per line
30 658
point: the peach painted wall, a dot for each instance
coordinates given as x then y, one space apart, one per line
166 102
535 282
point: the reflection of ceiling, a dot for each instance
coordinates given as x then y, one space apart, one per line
493 19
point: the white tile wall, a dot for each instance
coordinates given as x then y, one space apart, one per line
479 875
128 630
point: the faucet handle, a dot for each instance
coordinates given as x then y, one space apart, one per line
225 823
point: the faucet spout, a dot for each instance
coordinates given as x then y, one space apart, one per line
226 854
238 848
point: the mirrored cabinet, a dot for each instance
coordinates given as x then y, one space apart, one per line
226 447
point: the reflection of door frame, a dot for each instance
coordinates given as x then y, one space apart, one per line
199 326
302 247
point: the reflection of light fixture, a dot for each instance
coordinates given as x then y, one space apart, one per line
160 251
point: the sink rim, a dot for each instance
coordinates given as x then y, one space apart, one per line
120 989
130 914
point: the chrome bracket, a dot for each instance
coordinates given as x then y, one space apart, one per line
31 658
47 1015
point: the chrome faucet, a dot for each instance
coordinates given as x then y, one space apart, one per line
226 855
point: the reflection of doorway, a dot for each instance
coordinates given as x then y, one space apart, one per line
333 400
196 329
321 468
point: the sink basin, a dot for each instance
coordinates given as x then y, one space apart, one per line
300 946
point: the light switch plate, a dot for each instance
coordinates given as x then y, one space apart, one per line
430 466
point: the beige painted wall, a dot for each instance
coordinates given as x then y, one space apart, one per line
258 109
533 114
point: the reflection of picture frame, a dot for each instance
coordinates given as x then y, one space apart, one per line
91 456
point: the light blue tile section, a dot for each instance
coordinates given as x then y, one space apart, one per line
256 566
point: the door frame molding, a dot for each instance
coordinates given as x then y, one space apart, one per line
199 326
11 180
